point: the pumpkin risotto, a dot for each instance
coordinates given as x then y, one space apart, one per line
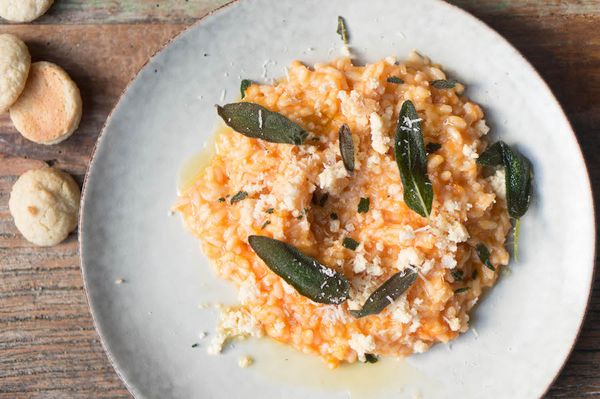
354 220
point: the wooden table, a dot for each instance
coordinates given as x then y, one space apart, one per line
48 345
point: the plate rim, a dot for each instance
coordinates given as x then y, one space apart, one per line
227 5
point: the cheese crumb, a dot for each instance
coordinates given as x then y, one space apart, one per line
470 152
498 182
406 233
453 323
448 261
245 361
427 266
248 290
361 344
482 128
360 263
420 347
457 232
333 177
379 141
233 323
409 257
374 268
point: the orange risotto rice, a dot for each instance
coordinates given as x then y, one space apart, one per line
282 179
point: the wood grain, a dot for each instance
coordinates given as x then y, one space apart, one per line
48 346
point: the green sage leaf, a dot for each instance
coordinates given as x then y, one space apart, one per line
444 84
484 256
342 30
412 161
255 121
519 176
493 155
363 205
244 85
309 277
395 79
346 147
387 293
238 197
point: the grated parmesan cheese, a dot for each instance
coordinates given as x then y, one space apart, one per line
409 257
333 177
498 182
470 151
361 344
379 141
482 128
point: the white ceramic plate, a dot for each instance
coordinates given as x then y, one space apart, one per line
526 325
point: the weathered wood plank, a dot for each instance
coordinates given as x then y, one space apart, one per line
188 11
128 11
48 345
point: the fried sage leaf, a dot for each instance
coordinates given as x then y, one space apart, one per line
253 120
493 156
484 256
310 278
444 84
346 147
395 79
412 161
342 30
519 176
387 293
244 85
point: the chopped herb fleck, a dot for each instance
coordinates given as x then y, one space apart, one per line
457 274
265 224
484 256
270 210
334 216
371 358
395 79
323 199
195 345
461 290
432 147
244 85
238 197
363 205
350 243
342 30
222 199
444 84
